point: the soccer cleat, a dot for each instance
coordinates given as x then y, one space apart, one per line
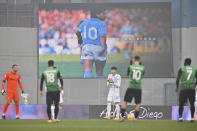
3 117
57 120
192 120
134 120
50 121
122 119
17 117
116 118
106 117
180 119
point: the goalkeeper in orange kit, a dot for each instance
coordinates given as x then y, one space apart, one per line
13 79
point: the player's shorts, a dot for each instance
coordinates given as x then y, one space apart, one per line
114 95
13 96
128 38
133 93
187 95
91 52
53 97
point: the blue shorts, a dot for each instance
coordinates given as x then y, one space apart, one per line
90 52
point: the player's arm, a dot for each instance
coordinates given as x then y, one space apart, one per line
103 34
128 71
118 81
178 79
108 80
20 84
4 81
80 41
60 78
103 43
143 72
41 84
196 78
3 84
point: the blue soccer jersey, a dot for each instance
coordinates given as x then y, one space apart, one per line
127 29
91 31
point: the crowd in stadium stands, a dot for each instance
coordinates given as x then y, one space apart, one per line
56 27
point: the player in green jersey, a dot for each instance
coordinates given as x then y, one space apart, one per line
134 90
187 76
50 76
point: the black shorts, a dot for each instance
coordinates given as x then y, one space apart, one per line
53 97
187 95
133 93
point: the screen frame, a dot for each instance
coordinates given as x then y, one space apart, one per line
91 6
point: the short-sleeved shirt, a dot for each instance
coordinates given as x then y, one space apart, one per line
188 77
12 81
91 31
135 76
116 79
51 79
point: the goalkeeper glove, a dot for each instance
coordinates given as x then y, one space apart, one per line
22 93
3 91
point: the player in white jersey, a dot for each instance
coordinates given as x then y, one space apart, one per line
113 82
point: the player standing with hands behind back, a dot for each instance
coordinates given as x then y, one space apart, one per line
188 76
136 72
13 79
50 76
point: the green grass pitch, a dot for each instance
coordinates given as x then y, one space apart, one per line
96 125
70 67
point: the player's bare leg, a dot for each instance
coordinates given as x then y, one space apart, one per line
88 68
108 114
99 68
123 109
117 111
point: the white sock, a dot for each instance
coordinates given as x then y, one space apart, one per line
108 109
53 112
117 110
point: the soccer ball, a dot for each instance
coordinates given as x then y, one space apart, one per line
131 116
